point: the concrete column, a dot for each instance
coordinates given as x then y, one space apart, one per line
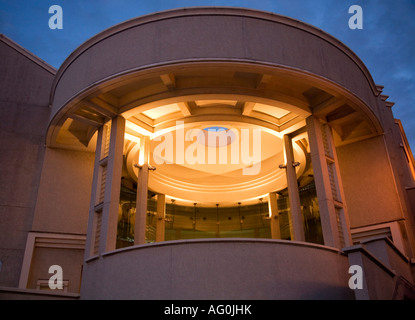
273 209
142 193
333 213
108 235
91 228
218 223
161 215
340 199
293 194
106 184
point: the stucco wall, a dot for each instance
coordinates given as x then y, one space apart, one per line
368 182
64 192
7 293
219 269
24 113
69 259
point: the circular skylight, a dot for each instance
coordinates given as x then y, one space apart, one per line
216 129
216 136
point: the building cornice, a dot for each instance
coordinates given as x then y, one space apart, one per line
213 11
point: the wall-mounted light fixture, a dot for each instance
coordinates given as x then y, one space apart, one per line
151 168
284 166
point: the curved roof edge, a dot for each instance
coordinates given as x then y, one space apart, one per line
195 11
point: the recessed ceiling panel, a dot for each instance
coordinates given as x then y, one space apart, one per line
272 111
161 111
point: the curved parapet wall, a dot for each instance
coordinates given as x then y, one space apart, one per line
210 35
219 269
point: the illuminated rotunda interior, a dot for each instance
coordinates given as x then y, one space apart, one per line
212 165
204 153
207 193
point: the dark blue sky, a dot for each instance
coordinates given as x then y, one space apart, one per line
386 44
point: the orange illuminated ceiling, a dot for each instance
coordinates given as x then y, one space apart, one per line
202 95
212 180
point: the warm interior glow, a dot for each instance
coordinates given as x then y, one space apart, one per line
161 111
271 110
204 103
139 130
192 168
130 137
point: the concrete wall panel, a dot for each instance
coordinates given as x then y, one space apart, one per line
64 192
24 112
219 269
368 182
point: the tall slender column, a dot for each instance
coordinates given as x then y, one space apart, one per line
108 237
91 234
273 209
142 193
161 215
293 193
333 211
105 195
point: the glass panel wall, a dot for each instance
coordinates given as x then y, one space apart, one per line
239 221
311 214
284 215
126 217
309 209
185 222
192 222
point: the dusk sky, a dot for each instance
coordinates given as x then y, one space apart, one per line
386 44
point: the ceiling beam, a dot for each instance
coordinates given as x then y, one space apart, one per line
263 81
110 99
185 108
247 108
101 107
168 80
143 118
216 110
347 119
327 106
167 117
86 120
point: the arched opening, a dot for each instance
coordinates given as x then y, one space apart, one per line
222 139
216 171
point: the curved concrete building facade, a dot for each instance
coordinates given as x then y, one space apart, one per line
214 153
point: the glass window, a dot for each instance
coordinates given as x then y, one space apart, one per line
185 222
311 214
